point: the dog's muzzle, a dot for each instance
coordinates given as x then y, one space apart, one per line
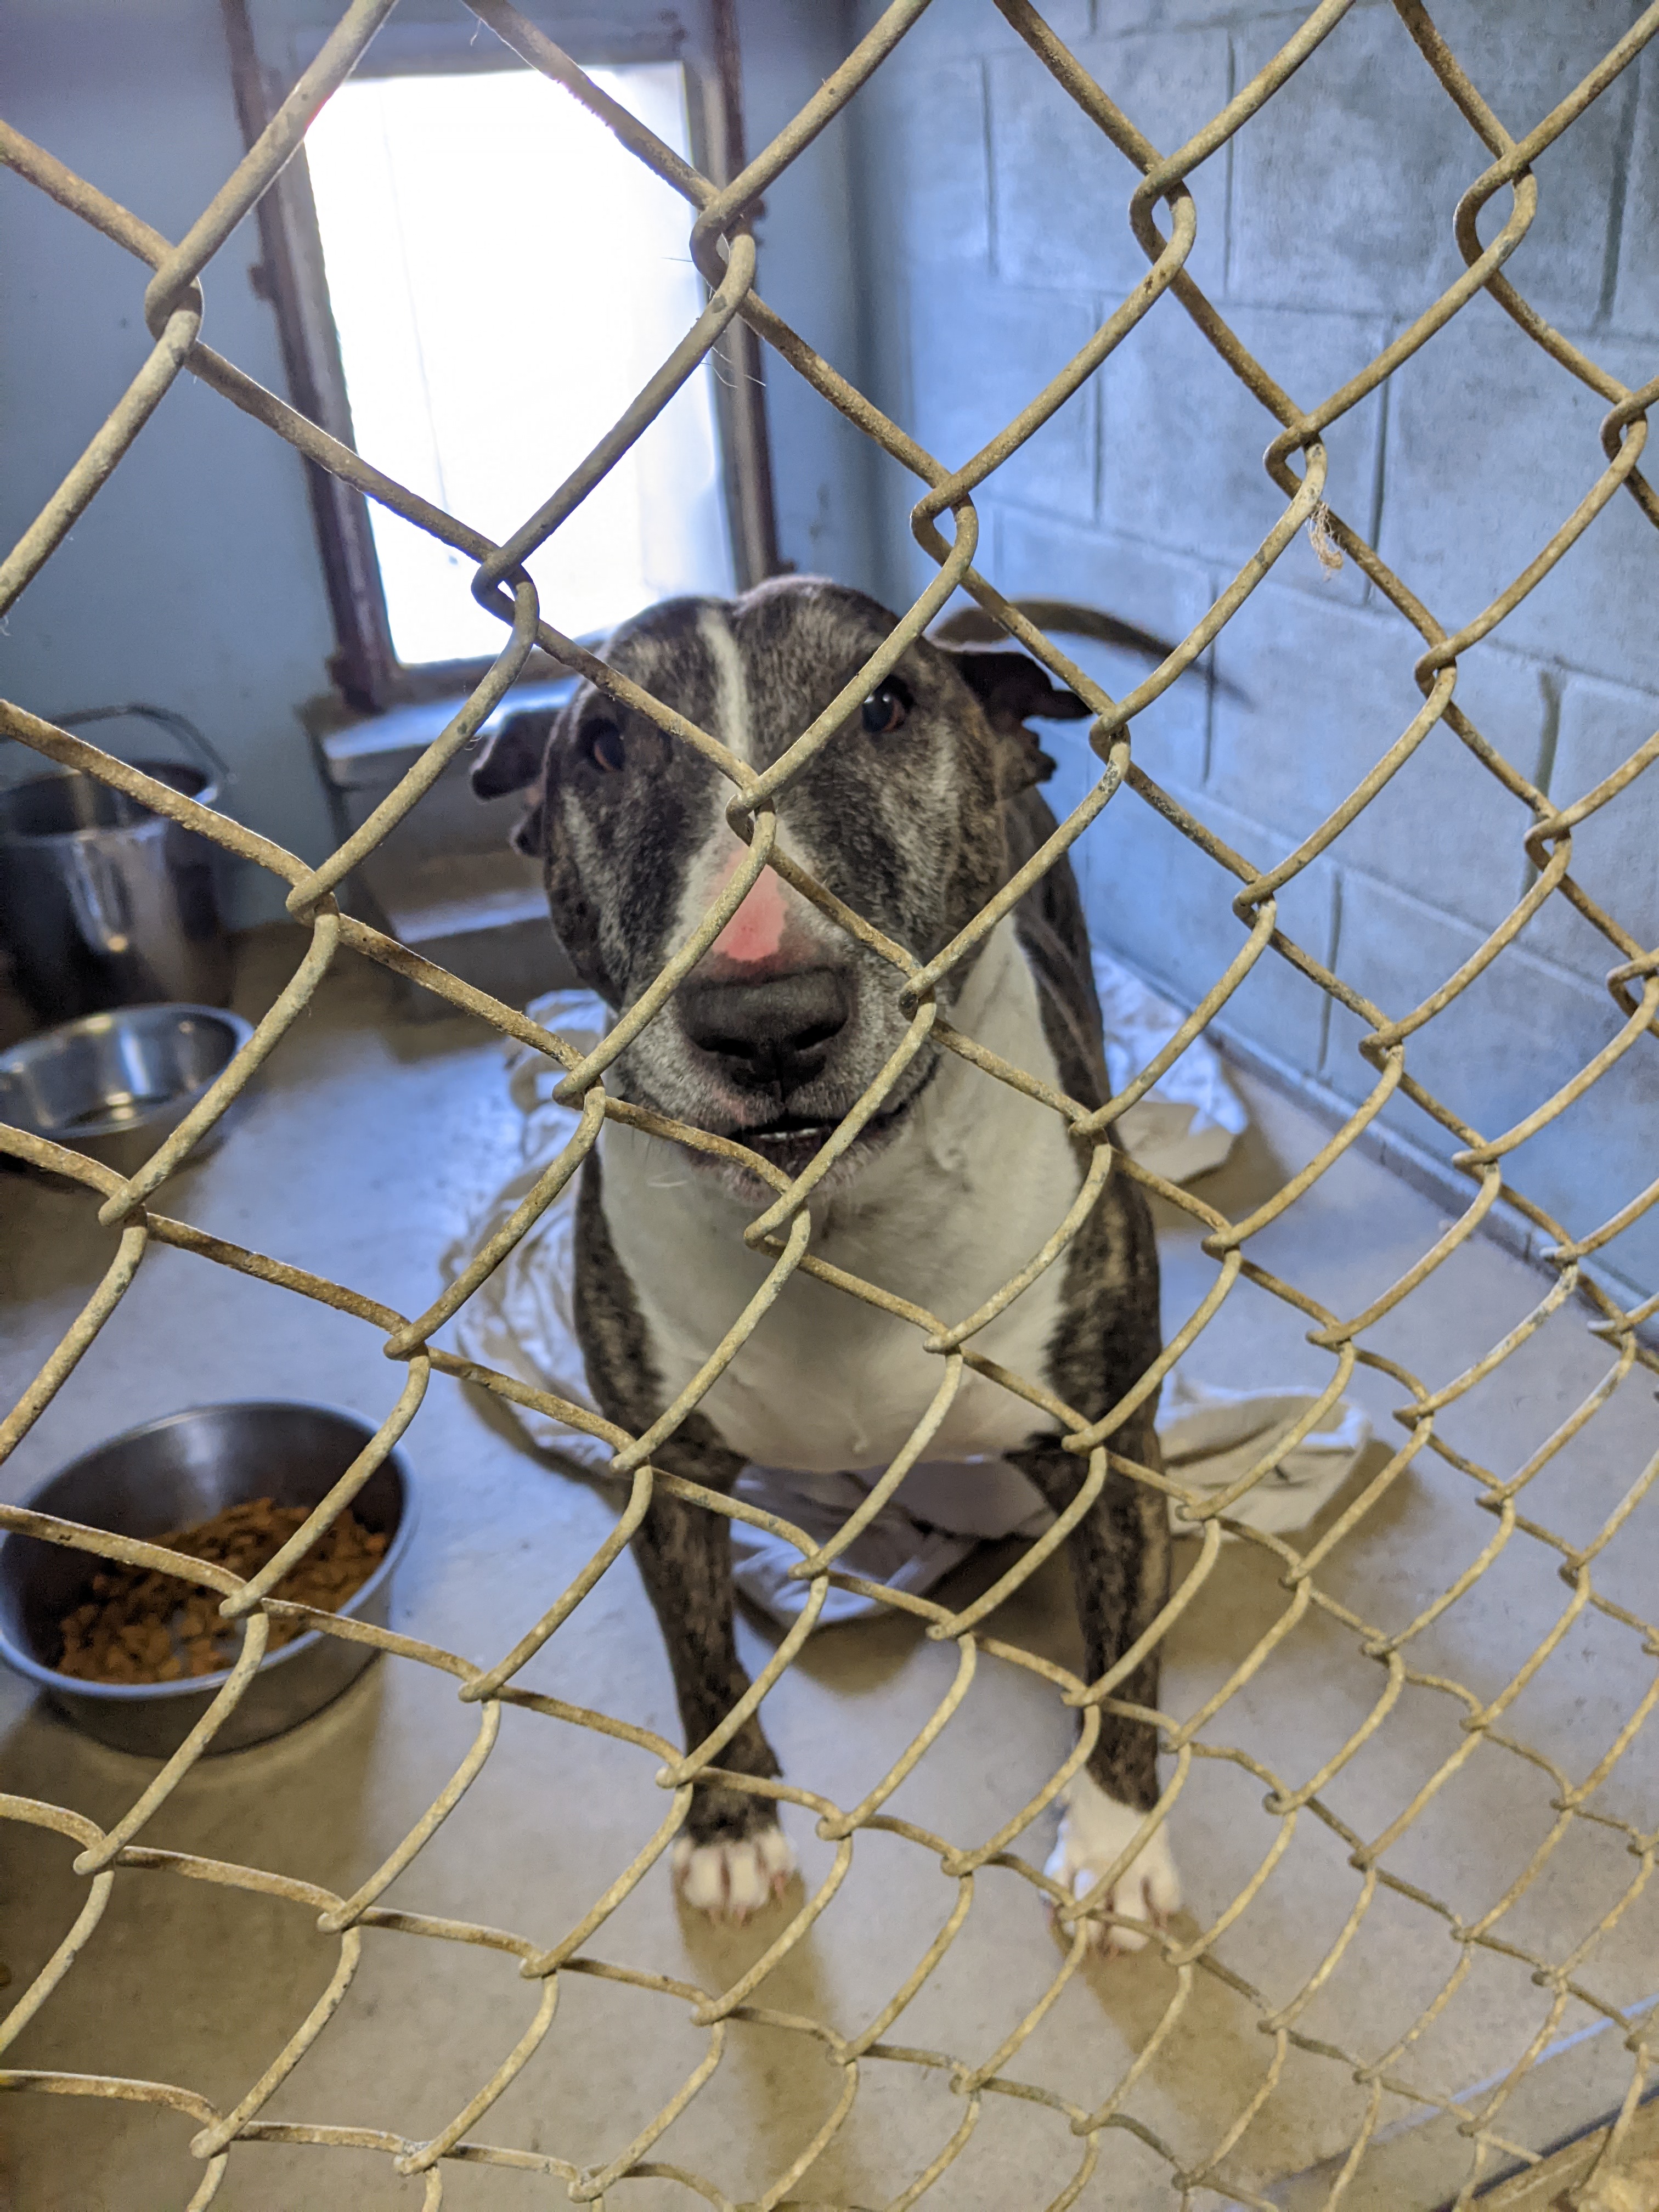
769 1039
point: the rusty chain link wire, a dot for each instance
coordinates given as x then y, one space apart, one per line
1296 460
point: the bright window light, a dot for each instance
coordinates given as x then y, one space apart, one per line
504 277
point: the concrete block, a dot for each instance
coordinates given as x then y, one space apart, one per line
953 28
1345 185
1160 592
923 133
1153 896
1491 446
1318 692
1061 189
811 273
1116 18
979 352
1613 851
1521 1030
1181 438
1562 265
1636 300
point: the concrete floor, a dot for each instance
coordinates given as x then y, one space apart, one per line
370 1141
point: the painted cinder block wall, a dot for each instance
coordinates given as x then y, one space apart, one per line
996 240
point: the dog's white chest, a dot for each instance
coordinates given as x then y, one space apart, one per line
977 1180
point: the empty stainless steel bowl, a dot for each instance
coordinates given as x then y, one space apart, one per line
169 1474
114 1085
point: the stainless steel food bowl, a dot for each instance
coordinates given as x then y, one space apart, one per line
169 1474
115 1084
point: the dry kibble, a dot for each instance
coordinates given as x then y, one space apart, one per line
137 1626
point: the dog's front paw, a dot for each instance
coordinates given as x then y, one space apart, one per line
735 1875
1095 1831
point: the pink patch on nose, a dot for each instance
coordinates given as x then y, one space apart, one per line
755 932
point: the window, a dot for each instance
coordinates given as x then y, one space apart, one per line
488 214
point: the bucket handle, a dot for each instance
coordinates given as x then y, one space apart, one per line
219 770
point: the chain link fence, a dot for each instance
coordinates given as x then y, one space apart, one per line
1162 216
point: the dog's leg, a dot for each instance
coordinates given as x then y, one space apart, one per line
732 1856
1120 1554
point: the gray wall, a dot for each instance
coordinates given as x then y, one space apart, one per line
193 578
997 240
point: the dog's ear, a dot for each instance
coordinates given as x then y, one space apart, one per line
1012 688
510 759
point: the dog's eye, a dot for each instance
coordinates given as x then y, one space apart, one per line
886 710
602 747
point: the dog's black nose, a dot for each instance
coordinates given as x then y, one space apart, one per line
772 1034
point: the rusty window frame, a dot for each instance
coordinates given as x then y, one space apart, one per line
366 672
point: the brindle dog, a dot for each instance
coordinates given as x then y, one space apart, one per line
917 811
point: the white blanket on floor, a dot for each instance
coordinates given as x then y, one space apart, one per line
520 1320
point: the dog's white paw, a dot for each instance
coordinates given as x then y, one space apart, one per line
730 1880
1096 1831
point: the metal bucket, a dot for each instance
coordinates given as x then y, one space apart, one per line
103 902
